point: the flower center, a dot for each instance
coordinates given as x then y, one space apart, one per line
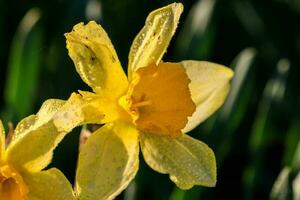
12 186
159 100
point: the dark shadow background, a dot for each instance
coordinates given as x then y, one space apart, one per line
254 135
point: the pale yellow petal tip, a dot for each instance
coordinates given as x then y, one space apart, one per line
188 186
209 181
82 24
228 72
213 179
177 7
214 183
1 126
2 131
79 26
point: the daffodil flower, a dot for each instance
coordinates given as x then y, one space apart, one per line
154 107
30 150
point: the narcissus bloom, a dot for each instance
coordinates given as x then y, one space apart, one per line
154 107
29 151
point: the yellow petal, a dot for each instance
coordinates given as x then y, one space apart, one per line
107 162
152 41
2 142
209 87
188 161
110 110
45 114
35 139
78 110
95 59
48 185
86 108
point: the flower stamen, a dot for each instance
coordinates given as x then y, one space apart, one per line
12 186
159 99
141 104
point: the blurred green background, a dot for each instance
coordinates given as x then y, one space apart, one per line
255 135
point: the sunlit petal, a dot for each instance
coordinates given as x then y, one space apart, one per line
209 87
45 114
2 142
35 139
107 162
152 41
95 59
188 161
78 110
48 185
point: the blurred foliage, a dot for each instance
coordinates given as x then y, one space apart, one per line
255 135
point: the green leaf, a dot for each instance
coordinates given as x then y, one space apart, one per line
263 130
232 112
24 65
292 145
